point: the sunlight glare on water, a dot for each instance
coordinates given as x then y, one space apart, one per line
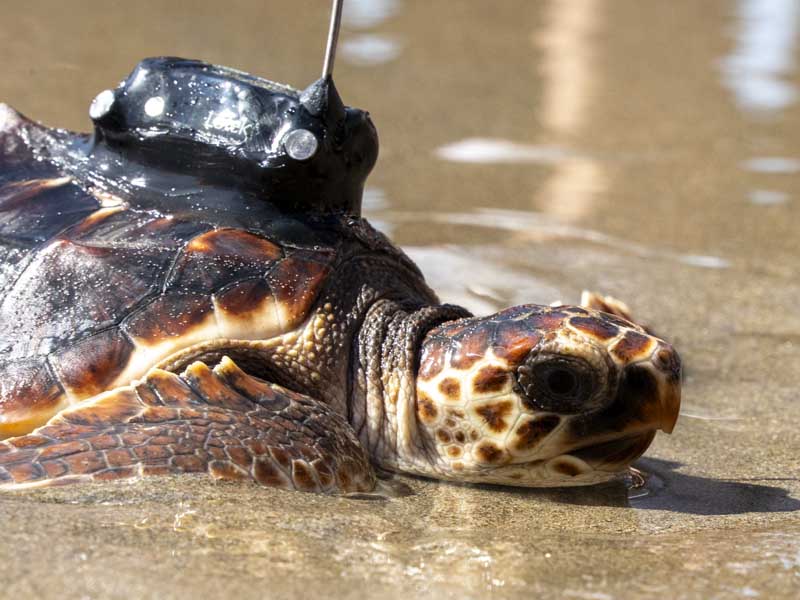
759 69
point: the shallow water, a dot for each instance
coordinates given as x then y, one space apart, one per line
529 150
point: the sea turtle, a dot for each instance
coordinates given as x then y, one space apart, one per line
191 289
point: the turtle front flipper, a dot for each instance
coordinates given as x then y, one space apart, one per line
612 306
222 421
608 304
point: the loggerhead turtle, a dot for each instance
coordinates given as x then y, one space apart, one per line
191 289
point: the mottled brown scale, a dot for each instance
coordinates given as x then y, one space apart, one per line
450 388
443 436
55 469
92 364
454 451
84 463
24 472
495 414
426 408
489 453
105 442
532 431
121 457
513 341
548 320
633 346
601 330
60 449
490 379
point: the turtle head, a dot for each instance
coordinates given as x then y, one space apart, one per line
206 125
541 396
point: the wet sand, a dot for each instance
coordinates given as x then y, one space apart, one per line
529 150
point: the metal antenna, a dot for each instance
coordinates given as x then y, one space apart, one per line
333 38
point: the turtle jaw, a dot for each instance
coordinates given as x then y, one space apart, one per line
591 464
615 455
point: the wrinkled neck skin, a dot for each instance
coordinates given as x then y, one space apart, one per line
383 397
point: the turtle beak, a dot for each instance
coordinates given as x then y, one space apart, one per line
670 398
668 364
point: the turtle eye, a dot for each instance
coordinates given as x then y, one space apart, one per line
300 144
563 384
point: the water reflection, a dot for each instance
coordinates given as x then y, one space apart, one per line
491 285
369 49
366 14
773 164
764 55
533 226
767 197
568 43
499 151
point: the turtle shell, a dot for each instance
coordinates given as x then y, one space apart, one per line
112 259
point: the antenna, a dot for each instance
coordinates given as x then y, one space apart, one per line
333 38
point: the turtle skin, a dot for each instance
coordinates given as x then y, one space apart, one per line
96 289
